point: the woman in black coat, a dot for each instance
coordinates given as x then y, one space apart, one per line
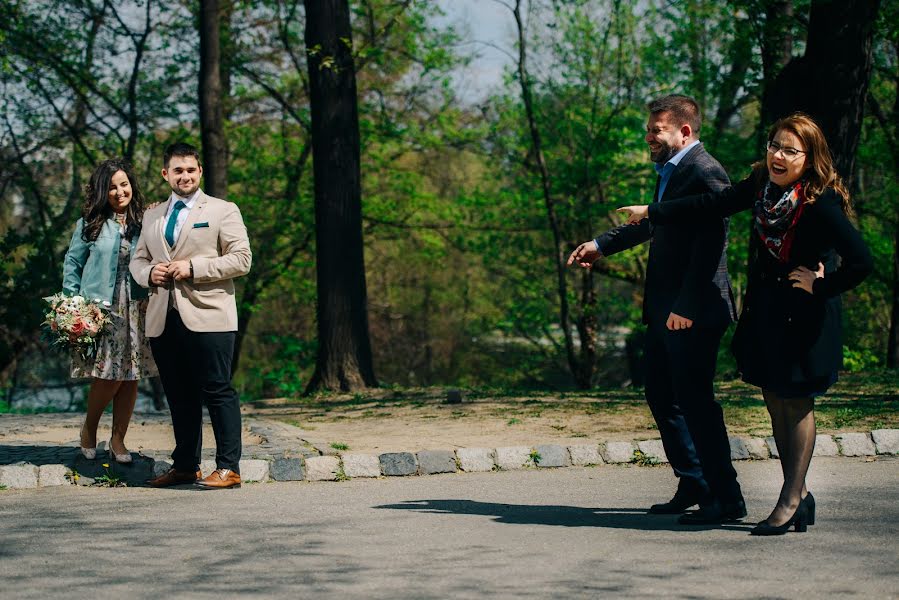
788 339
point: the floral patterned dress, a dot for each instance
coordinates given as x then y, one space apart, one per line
123 351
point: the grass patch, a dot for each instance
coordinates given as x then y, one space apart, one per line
644 460
109 478
340 446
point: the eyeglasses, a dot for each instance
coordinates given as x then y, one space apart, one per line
789 153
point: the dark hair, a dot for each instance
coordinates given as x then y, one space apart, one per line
683 108
179 149
96 208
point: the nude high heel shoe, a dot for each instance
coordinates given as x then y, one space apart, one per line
122 459
88 453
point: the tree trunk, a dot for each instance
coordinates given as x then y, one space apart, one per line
157 393
830 82
344 360
212 120
583 373
889 123
893 340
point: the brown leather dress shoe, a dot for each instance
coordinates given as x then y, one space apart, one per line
220 479
173 477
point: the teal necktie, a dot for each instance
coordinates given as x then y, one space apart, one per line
173 219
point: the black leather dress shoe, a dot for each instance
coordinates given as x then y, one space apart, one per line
683 499
714 513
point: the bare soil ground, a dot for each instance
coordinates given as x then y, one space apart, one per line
392 420
386 420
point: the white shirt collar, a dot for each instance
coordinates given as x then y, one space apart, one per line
189 201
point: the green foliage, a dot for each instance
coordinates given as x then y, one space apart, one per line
461 263
859 360
109 478
284 368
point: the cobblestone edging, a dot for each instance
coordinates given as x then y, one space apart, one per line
284 458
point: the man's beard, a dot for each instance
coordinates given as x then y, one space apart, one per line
664 154
187 194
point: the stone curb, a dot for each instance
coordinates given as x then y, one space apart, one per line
272 462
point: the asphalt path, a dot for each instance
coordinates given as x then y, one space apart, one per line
566 533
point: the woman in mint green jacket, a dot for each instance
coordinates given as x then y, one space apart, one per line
96 267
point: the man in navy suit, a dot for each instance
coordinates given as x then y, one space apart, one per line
687 306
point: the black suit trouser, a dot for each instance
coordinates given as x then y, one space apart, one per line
195 369
679 390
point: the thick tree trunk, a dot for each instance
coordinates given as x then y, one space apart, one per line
344 359
889 123
212 120
893 340
830 82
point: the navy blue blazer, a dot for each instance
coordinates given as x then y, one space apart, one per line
687 269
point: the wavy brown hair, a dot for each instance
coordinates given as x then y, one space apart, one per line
96 208
820 173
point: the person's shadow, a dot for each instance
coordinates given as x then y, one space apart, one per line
560 516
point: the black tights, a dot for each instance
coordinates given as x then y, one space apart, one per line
793 423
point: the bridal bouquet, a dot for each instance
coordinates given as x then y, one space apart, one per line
75 322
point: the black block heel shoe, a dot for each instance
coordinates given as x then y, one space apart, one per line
799 520
809 502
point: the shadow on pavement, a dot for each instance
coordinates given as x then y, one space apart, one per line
560 516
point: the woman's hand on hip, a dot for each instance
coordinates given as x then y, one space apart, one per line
804 278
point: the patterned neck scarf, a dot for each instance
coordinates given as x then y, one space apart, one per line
776 215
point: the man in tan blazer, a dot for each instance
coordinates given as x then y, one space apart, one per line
190 250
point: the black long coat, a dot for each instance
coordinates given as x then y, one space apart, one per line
787 338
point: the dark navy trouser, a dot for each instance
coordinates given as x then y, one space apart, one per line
680 369
195 369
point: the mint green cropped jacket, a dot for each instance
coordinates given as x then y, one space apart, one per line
89 268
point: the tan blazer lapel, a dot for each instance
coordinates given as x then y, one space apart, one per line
160 230
192 217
